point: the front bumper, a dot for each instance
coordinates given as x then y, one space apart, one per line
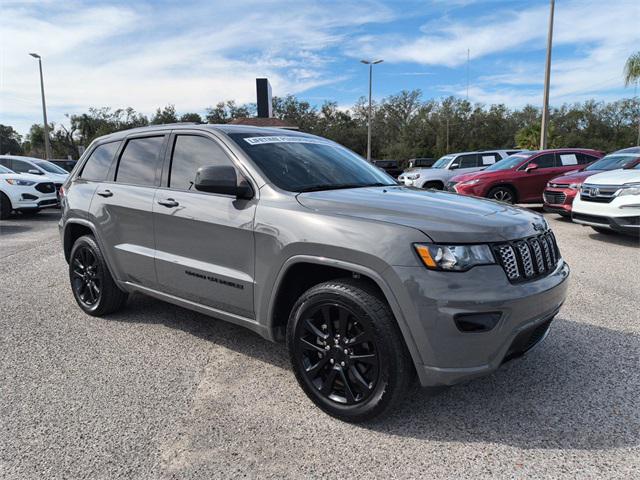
622 214
432 300
558 200
28 198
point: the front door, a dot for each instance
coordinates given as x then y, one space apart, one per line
531 184
204 241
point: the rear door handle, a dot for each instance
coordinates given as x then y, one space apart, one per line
106 193
169 203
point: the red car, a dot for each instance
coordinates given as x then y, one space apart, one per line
560 191
521 178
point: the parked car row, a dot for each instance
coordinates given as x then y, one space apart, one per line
28 185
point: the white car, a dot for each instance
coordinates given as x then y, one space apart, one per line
24 193
36 166
438 175
610 201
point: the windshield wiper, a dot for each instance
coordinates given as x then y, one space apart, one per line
339 186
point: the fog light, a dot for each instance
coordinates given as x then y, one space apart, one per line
477 322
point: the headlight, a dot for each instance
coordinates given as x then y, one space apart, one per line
456 258
470 182
629 189
22 183
574 186
414 176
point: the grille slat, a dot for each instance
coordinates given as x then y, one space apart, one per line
529 258
554 198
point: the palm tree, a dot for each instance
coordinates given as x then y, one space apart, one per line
632 69
632 75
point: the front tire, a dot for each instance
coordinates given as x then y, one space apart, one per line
433 186
5 206
604 231
347 351
502 194
93 287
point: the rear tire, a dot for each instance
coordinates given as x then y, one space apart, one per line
502 194
91 283
5 206
347 351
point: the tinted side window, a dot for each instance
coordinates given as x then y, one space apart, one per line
19 166
139 161
190 152
5 162
546 160
467 161
99 163
584 158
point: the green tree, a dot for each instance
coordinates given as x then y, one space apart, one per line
165 115
191 117
632 69
10 141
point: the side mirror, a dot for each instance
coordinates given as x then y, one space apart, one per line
454 166
531 166
223 180
34 171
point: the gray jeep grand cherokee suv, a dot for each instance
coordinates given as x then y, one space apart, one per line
299 239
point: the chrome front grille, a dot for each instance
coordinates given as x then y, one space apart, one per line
528 258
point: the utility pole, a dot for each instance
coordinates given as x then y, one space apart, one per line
371 64
547 75
47 146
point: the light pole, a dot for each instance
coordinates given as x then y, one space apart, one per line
547 74
371 63
47 146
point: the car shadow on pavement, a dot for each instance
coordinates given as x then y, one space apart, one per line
579 389
616 238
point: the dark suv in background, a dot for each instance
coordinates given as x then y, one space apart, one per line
392 167
301 240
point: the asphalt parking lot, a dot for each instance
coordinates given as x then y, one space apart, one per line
157 391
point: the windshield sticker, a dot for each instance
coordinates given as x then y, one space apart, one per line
284 139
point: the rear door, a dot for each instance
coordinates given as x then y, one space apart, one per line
531 184
122 208
204 241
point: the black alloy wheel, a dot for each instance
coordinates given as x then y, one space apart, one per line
337 351
92 285
347 351
86 277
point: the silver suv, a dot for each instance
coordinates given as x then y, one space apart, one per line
300 240
438 175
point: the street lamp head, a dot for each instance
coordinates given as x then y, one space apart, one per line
377 61
371 62
34 55
366 62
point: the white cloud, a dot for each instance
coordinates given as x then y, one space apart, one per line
193 54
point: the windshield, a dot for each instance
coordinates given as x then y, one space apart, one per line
305 164
442 162
508 163
612 162
50 167
4 169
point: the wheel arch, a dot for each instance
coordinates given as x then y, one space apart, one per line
299 273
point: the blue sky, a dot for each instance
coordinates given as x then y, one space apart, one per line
195 53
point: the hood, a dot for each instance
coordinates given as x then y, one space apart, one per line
445 217
577 177
616 177
26 176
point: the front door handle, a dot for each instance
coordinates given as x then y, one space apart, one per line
106 193
169 203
